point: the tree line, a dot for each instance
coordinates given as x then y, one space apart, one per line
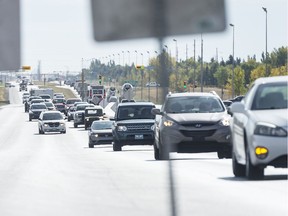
194 72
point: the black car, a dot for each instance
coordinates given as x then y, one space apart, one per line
92 114
100 133
35 110
134 124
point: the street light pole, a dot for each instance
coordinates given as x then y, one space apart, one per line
266 68
233 90
176 69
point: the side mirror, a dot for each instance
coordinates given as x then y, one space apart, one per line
156 111
237 107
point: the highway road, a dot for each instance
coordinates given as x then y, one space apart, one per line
57 174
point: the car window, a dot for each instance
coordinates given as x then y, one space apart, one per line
270 96
101 125
135 112
38 106
52 116
194 104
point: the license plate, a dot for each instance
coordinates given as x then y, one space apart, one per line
139 136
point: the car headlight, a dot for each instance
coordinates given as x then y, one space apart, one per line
95 135
122 128
225 122
168 123
267 129
46 125
62 124
152 127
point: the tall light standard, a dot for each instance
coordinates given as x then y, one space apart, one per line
232 25
136 56
266 68
148 75
176 54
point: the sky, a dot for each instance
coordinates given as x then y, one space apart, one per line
59 35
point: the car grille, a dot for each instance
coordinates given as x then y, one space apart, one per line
196 124
105 135
53 124
139 127
205 133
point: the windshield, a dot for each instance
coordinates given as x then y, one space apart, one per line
101 125
52 116
271 96
194 104
135 112
38 106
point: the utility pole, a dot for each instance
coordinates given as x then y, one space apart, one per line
201 63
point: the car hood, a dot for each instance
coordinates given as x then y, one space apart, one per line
197 117
136 121
38 110
277 116
52 121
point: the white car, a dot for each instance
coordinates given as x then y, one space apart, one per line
259 128
51 121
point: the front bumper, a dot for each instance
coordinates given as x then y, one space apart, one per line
193 140
54 127
277 151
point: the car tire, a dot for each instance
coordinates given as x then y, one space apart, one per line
253 172
156 152
163 152
75 125
64 132
117 146
30 119
86 127
91 145
238 169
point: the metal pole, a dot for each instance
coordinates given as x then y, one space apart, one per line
266 68
201 63
233 90
194 65
176 69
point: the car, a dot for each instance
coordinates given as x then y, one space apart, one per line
28 102
100 132
51 121
46 97
36 101
70 102
259 128
237 98
92 114
58 94
113 99
192 123
50 105
60 107
25 98
59 100
70 113
35 110
152 84
79 114
134 124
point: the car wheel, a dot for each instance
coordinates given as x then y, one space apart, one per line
117 146
156 152
91 145
64 132
86 127
253 172
238 169
40 132
163 152
75 125
30 119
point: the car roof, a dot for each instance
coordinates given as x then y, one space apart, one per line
183 94
273 79
136 104
94 107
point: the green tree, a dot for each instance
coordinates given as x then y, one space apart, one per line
221 76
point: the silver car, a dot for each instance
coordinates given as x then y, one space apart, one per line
51 121
192 123
259 128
